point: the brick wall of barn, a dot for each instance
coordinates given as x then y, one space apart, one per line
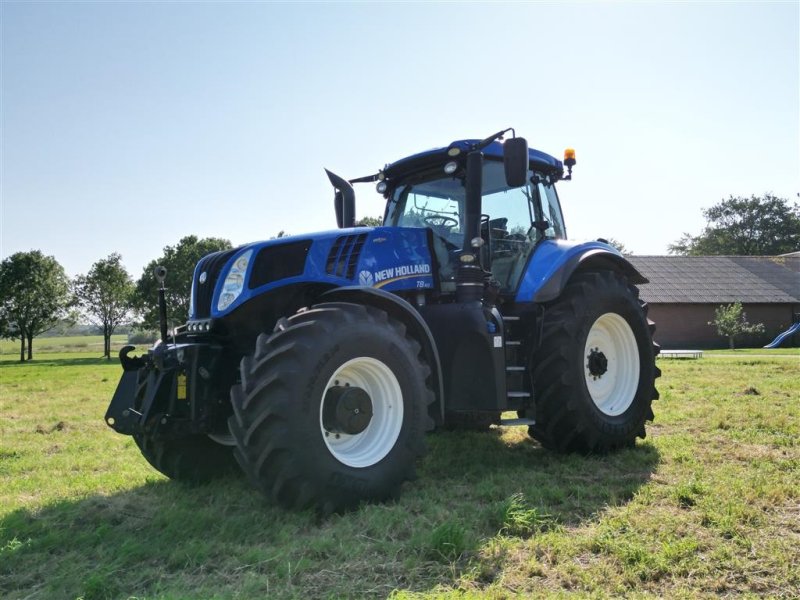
686 325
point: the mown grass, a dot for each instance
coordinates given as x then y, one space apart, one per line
76 343
708 505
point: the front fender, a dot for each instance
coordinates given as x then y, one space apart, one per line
554 261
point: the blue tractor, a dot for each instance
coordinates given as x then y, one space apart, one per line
317 363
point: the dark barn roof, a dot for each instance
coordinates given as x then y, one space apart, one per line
720 279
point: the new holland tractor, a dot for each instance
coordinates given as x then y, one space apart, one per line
317 363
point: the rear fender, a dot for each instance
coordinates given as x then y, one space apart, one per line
554 262
406 314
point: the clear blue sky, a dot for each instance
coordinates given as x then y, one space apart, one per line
126 126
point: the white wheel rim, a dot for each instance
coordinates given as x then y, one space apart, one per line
614 389
376 441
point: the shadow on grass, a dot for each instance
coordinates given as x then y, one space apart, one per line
569 486
224 540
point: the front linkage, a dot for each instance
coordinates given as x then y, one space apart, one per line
170 392
167 393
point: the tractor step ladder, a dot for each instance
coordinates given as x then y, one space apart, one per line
516 422
517 381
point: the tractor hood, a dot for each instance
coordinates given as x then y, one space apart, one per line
391 258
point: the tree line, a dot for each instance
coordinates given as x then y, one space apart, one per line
36 294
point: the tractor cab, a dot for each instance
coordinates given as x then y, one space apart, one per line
487 204
513 220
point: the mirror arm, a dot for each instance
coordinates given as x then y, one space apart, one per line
499 135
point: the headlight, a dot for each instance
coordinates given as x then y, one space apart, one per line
234 281
191 301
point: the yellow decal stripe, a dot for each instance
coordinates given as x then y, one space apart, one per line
393 279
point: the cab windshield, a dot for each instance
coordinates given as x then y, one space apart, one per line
513 220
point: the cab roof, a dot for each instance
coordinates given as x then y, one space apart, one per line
538 160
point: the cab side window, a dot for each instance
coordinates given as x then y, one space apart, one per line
507 218
551 211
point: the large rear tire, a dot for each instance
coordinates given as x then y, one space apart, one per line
594 370
332 408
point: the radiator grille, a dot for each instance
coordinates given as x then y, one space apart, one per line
344 255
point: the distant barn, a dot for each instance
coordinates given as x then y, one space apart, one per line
684 292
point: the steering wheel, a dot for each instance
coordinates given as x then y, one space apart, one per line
440 221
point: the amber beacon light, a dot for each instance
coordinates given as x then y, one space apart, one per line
569 161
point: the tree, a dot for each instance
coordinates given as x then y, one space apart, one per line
369 222
104 295
180 261
730 321
9 331
758 226
34 295
619 246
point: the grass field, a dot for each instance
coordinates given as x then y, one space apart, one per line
708 505
78 343
755 351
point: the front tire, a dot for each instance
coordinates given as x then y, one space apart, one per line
332 408
594 370
193 458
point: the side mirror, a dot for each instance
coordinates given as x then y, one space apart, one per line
344 201
515 161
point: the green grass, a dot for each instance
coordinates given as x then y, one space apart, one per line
756 351
708 505
78 343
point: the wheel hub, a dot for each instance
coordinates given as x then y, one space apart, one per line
346 409
598 363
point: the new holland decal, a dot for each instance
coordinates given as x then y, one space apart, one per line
385 276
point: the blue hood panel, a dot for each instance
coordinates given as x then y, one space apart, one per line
390 258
